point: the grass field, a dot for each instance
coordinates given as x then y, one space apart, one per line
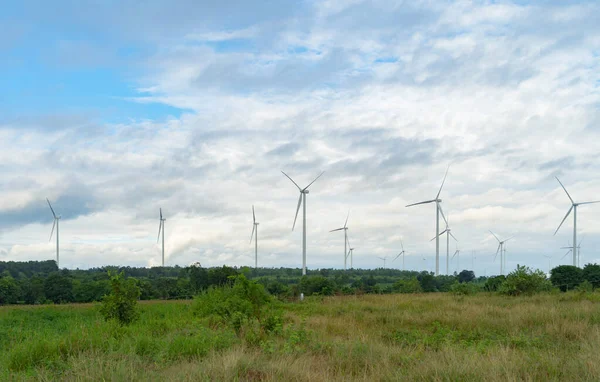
372 337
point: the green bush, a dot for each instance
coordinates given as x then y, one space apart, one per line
524 280
566 277
464 289
316 285
122 302
591 273
493 283
407 286
238 304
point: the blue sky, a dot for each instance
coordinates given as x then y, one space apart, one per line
112 110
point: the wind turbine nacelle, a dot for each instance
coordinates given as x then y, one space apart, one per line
305 191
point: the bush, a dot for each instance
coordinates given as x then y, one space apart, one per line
464 289
408 286
591 273
466 276
523 280
239 304
316 285
122 302
566 277
493 283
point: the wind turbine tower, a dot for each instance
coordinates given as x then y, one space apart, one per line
302 201
574 209
383 258
255 236
502 250
437 202
55 224
448 233
161 228
345 229
402 253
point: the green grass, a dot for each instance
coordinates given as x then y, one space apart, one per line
435 337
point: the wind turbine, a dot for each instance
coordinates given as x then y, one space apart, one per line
56 221
502 250
574 208
403 253
161 227
302 200
255 235
448 233
437 201
345 229
549 262
570 249
457 253
350 252
383 258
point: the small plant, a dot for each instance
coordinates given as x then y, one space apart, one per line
122 302
463 289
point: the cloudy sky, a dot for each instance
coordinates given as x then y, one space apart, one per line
114 109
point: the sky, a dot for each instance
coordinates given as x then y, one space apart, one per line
113 110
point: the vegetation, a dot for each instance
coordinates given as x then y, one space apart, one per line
433 337
121 303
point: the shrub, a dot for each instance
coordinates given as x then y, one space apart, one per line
316 285
464 289
408 286
466 276
566 277
493 283
591 273
238 304
585 287
523 280
121 304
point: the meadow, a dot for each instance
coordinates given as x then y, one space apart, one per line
433 337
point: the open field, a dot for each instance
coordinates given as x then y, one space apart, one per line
372 337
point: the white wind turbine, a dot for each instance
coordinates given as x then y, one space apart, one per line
550 262
302 200
56 221
437 201
502 250
570 249
161 227
402 253
350 252
383 258
448 233
345 229
457 253
254 235
574 208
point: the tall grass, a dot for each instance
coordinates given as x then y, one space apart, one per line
436 337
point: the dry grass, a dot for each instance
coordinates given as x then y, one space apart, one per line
433 337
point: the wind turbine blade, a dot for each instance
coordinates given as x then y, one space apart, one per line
292 180
160 213
51 209
397 256
495 236
252 234
565 255
159 228
314 180
52 232
453 236
346 223
440 234
402 244
454 254
440 191
297 209
565 190
498 250
579 245
425 202
253 215
565 218
339 229
505 240
597 201
443 216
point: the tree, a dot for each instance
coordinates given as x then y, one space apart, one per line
122 302
408 286
591 273
320 285
198 277
59 288
493 283
466 276
9 290
524 280
427 281
566 277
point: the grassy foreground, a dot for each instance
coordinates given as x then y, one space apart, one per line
372 337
